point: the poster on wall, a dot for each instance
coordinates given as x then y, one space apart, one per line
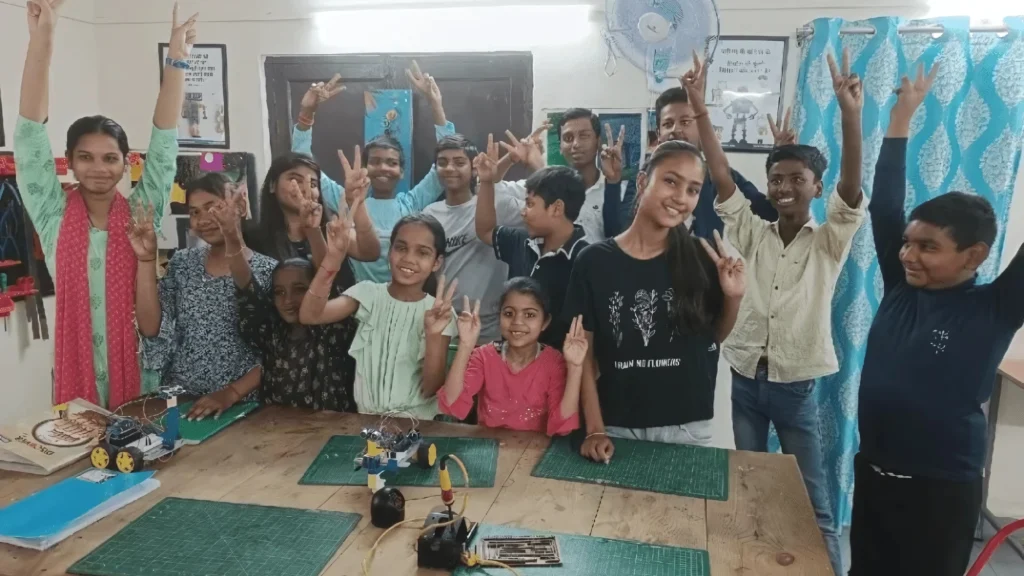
744 85
389 113
204 115
634 146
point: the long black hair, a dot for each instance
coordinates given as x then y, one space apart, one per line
440 241
697 295
96 125
270 234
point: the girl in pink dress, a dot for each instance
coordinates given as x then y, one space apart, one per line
522 384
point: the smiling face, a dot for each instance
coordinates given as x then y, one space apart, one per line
455 170
931 259
97 163
669 194
290 287
522 319
306 179
791 187
200 220
676 123
413 256
384 167
579 142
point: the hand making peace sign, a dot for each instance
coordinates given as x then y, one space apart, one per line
848 87
486 162
228 214
468 322
784 135
529 150
436 318
611 155
183 37
141 232
911 94
357 178
694 82
731 272
424 83
341 233
321 92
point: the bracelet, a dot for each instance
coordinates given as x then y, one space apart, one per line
595 434
150 260
179 64
305 121
240 250
315 295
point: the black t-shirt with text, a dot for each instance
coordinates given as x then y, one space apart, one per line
651 373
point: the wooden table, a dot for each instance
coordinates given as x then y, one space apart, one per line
261 459
1010 371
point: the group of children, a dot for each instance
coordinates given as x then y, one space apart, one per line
586 302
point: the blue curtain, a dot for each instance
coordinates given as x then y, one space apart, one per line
966 136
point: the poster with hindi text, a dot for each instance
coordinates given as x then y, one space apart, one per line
204 115
744 85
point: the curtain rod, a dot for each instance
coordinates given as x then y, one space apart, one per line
806 31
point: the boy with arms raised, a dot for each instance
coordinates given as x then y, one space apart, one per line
783 336
930 363
385 161
547 247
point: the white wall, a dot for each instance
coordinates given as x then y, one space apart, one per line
127 31
26 384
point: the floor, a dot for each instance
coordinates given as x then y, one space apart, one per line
1004 562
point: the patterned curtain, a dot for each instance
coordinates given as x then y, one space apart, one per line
966 136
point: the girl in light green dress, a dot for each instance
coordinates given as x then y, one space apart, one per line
401 345
83 229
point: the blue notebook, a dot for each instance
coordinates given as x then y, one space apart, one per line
51 515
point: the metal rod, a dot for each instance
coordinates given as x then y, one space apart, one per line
806 31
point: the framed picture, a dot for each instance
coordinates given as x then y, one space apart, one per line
204 121
744 85
3 141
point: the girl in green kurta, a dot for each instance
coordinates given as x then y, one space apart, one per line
84 229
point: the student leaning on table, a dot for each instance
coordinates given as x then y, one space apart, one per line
84 231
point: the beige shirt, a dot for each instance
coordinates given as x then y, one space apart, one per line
788 305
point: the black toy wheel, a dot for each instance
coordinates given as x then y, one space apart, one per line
102 456
426 455
130 460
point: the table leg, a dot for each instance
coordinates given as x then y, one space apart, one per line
992 416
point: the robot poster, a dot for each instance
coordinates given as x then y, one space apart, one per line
203 122
744 85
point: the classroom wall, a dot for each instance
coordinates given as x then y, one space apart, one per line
26 382
127 86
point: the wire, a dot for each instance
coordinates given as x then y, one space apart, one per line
368 559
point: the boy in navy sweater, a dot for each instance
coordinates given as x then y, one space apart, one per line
930 364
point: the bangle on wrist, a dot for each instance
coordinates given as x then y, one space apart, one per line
233 254
153 259
175 63
595 434
315 295
305 120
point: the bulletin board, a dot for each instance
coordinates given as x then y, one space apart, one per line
744 84
634 148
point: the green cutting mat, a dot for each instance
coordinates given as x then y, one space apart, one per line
197 431
589 556
335 465
179 536
667 468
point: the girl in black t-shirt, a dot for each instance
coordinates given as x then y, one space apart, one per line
655 306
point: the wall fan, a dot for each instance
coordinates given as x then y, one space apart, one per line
661 35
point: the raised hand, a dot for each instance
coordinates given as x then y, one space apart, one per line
357 178
228 214
529 150
848 87
468 322
42 15
424 83
311 212
436 318
611 154
340 232
486 162
575 347
321 92
783 135
731 272
183 36
911 94
693 82
142 233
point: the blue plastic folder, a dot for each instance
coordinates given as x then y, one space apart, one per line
51 515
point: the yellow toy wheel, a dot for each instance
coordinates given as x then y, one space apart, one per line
426 455
102 456
130 460
432 455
